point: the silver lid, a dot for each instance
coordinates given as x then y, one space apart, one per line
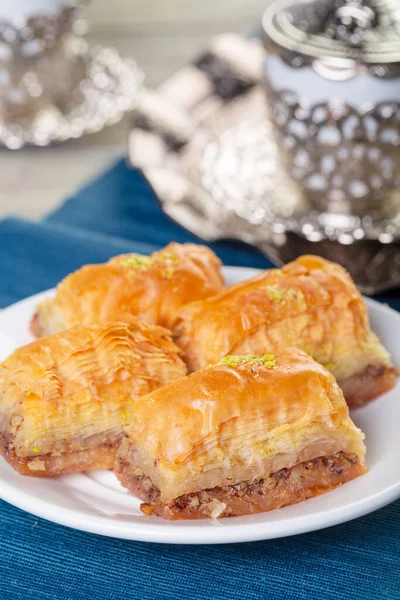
367 32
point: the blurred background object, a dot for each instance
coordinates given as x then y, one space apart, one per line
53 85
333 82
311 166
37 62
161 37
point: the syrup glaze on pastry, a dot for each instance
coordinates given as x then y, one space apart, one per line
64 399
244 436
311 304
152 288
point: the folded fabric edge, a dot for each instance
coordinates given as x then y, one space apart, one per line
36 256
123 244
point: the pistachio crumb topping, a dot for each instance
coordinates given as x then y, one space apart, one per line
274 293
36 448
279 296
267 360
138 262
170 256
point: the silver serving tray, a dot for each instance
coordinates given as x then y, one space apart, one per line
206 144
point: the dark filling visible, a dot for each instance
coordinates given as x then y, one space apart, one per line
363 387
287 486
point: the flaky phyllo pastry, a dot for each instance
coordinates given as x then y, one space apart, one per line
65 399
248 435
311 304
153 288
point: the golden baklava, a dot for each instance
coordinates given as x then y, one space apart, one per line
64 399
311 304
251 434
153 288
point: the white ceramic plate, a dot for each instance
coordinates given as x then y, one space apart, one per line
95 502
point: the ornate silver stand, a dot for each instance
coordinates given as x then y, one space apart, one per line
52 87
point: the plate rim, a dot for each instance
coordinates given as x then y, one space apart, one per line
219 533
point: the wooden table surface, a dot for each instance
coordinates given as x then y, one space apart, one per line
161 35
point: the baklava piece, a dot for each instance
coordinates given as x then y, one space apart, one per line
311 304
153 288
64 399
251 434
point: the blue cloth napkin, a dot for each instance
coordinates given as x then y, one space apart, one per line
121 203
41 561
